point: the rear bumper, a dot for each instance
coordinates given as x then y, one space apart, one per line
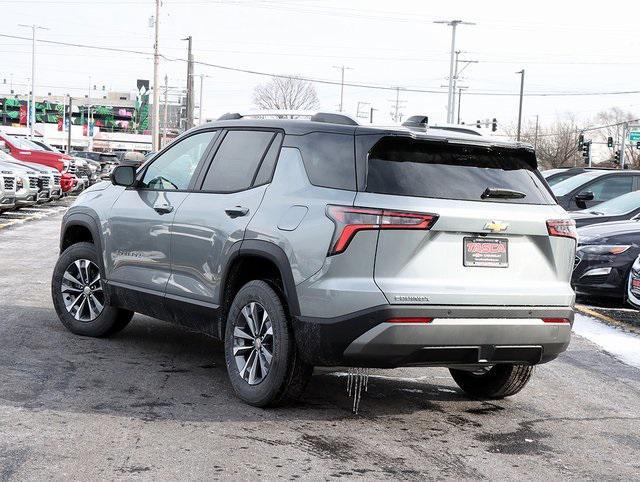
456 336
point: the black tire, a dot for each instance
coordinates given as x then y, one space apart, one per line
110 320
499 382
288 375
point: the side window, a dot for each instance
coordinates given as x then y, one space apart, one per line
611 187
329 159
174 168
236 161
265 173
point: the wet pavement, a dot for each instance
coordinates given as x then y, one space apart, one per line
154 402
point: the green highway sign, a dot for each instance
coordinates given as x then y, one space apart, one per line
634 136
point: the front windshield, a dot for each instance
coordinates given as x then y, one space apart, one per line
619 205
568 185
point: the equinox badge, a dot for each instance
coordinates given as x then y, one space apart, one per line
496 226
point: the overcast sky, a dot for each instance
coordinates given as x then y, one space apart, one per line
565 47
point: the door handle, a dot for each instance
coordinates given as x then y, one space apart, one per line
237 211
163 208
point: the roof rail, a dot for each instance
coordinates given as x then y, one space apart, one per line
327 117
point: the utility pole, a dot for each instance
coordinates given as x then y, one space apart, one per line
70 124
190 97
456 76
342 68
450 98
521 72
396 113
535 137
32 107
371 115
166 111
625 129
155 117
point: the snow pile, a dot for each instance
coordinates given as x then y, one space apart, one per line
624 346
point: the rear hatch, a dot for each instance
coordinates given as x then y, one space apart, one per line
490 244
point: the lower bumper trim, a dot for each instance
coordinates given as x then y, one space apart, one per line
457 335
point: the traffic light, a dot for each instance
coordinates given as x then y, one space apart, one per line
494 125
609 141
478 124
580 141
586 151
616 157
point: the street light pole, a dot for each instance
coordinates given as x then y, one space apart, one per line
155 119
460 89
342 68
521 72
451 94
32 107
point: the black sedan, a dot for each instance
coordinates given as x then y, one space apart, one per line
587 190
604 257
621 208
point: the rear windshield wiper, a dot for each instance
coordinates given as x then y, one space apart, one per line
499 193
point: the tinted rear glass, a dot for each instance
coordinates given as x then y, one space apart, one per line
407 167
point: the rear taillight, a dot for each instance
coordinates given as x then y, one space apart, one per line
556 320
350 220
565 228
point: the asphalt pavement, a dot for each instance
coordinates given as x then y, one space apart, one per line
154 402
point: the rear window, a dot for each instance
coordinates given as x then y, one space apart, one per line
408 167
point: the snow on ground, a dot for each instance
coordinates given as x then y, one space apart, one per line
624 346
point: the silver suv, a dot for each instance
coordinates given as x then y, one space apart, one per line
320 242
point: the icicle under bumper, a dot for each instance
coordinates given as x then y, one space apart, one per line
357 380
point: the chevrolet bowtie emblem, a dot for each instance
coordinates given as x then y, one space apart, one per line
496 226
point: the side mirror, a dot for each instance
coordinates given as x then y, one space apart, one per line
123 176
582 198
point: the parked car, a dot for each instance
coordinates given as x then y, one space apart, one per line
619 208
23 150
554 176
85 168
591 188
318 242
604 257
26 184
108 161
633 285
7 189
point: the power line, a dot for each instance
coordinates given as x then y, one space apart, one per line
323 81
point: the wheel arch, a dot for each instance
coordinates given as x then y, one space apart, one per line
81 227
260 257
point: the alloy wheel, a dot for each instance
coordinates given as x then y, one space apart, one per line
253 343
82 290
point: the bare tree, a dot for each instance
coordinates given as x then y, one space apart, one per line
286 93
556 144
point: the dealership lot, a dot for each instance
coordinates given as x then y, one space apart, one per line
17 218
154 402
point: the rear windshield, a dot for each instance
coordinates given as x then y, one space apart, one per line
408 167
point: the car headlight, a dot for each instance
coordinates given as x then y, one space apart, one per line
604 249
65 163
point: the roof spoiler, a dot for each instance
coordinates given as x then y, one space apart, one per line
416 121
